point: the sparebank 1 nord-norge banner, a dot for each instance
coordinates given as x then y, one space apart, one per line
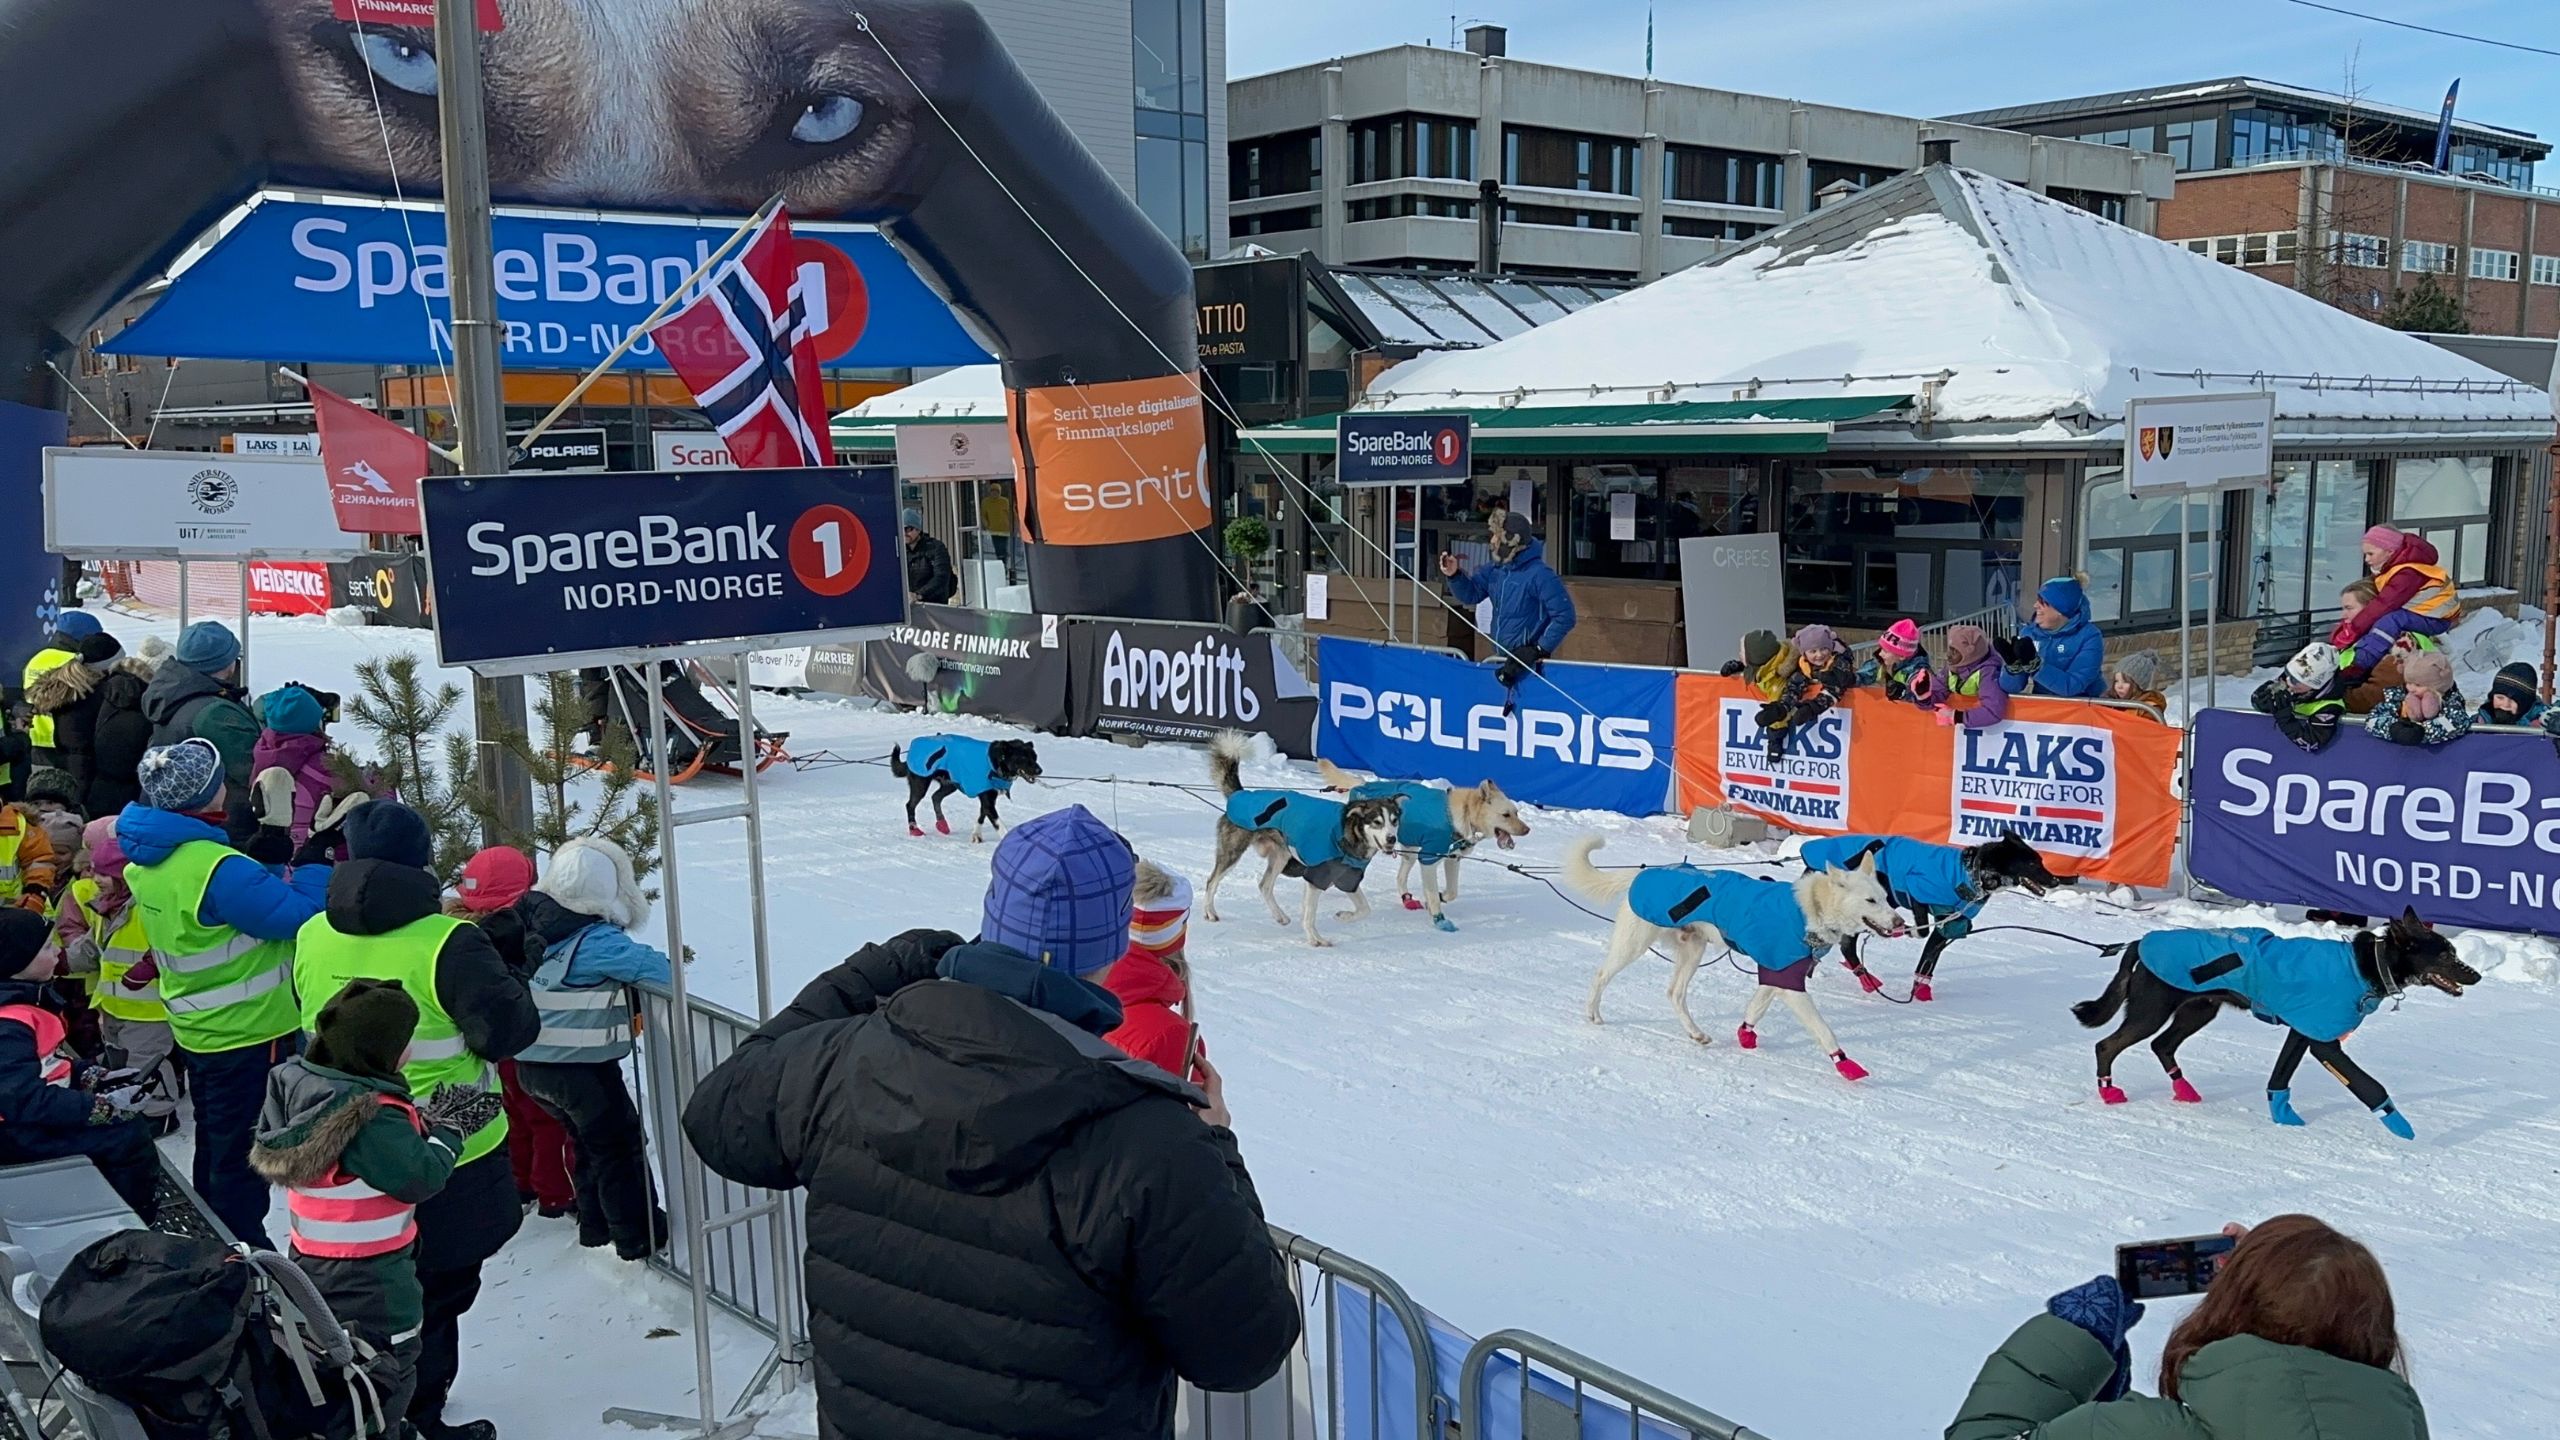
133 125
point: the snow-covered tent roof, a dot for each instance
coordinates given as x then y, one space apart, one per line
2002 310
971 394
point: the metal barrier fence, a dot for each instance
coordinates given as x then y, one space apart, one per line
2000 620
1519 1386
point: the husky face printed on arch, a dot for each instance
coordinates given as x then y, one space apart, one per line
717 104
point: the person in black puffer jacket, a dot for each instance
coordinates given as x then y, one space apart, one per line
99 731
1014 1230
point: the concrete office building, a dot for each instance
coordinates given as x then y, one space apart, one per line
2338 197
1398 157
1142 83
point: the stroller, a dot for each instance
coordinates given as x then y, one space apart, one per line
170 1337
701 735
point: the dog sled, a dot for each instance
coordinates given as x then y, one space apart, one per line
702 734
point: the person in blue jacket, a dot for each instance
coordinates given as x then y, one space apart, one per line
579 918
2062 654
1531 611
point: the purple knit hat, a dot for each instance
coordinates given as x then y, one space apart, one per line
1059 891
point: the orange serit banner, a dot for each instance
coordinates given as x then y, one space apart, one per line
1112 463
2090 786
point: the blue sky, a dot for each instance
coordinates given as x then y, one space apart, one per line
1931 57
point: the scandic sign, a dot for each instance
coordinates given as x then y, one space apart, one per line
2088 785
560 565
1112 463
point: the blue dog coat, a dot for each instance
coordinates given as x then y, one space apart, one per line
1920 877
1425 825
2310 985
1311 825
1760 917
964 762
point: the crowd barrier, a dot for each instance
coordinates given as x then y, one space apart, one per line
1517 1386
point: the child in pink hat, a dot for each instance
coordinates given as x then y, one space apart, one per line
1902 667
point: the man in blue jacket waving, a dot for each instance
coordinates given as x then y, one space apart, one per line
1531 611
2062 650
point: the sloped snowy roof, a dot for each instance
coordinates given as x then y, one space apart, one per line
971 392
2033 311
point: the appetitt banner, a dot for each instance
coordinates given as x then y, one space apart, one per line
2090 786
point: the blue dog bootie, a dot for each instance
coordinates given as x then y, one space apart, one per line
2280 1107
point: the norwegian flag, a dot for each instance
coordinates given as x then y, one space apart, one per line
748 351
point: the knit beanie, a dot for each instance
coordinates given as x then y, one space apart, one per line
1967 643
593 876
22 934
106 853
910 519
494 879
2064 594
181 778
2141 667
2428 668
100 650
76 624
1759 648
292 710
365 1028
2519 683
1059 891
1518 526
1816 639
390 831
52 782
1162 910
2383 537
206 647
1900 640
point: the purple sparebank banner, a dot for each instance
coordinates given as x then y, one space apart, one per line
2468 833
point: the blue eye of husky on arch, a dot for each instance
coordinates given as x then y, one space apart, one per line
827 119
399 62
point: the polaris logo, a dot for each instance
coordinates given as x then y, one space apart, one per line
658 541
1204 682
1607 742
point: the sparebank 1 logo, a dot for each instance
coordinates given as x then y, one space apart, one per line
2055 785
830 549
1607 742
1808 787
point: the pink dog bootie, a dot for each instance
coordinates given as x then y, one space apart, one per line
1746 1037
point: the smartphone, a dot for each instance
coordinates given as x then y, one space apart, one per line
2163 1269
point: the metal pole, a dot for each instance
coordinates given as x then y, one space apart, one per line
689 1182
182 594
2551 558
2186 615
786 1317
479 408
2212 594
244 622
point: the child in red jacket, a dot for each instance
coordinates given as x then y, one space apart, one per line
1153 980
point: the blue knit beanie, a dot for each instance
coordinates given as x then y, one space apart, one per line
1059 891
291 710
389 830
76 625
2064 594
206 647
182 778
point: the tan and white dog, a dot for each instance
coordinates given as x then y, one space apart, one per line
1780 927
1436 830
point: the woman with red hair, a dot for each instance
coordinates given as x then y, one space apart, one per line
2296 1337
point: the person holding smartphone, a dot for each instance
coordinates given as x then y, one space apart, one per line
2295 1336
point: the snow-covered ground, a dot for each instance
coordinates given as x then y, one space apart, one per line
1813 1258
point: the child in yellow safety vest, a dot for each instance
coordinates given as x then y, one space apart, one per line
356 1156
98 932
28 869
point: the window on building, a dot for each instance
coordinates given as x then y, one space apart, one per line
2267 247
2096 202
1279 222
1870 541
92 364
1169 48
1291 164
2546 269
2129 551
2133 137
2306 537
1398 207
2493 264
1823 173
1723 177
2448 501
2368 252
1569 219
2190 144
2261 135
1567 160
2426 257
1712 229
2473 159
1404 147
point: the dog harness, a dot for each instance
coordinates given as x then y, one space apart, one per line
969 764
2312 986
1920 877
1425 825
1311 825
1759 917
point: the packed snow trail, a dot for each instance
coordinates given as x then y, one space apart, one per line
1817 1259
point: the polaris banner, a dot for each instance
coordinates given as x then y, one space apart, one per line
543 571
2468 833
1170 682
945 660
1585 736
342 283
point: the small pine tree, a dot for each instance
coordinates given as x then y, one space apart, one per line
410 722
622 811
2428 307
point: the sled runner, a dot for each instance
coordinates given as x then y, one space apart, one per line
701 734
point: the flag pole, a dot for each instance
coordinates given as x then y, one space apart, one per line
298 378
632 336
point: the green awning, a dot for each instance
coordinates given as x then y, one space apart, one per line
880 432
1692 427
